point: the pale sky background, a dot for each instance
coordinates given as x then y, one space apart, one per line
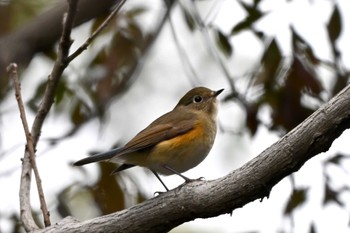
161 83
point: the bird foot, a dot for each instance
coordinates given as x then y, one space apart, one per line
157 193
188 180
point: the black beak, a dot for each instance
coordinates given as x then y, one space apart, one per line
216 93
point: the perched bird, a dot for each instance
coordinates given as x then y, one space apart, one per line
175 142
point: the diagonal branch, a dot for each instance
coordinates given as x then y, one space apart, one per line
85 45
214 52
61 63
254 180
29 159
24 191
12 69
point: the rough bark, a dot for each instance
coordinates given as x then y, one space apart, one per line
254 180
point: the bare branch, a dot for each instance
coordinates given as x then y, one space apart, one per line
24 192
95 33
24 195
60 64
254 180
33 137
12 69
186 63
215 54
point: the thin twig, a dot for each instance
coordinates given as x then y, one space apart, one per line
150 39
215 53
96 32
12 69
186 63
61 63
47 101
24 189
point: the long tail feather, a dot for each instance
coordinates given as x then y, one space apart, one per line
122 168
97 157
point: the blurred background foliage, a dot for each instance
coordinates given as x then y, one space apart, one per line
290 86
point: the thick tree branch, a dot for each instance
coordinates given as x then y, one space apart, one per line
43 32
204 199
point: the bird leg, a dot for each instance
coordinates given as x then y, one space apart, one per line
155 173
187 180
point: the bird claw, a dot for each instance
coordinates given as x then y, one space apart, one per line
192 180
157 193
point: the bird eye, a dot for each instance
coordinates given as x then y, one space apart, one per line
197 99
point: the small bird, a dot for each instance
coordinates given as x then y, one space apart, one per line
172 144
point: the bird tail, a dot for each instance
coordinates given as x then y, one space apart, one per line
122 168
97 157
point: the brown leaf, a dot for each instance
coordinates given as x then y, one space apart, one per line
334 25
252 120
270 61
302 77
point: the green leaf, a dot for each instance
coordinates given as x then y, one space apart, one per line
252 10
253 14
331 196
336 159
34 102
223 43
190 21
62 90
80 113
139 10
96 23
256 2
243 25
297 199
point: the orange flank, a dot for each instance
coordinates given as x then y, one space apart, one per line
179 151
182 140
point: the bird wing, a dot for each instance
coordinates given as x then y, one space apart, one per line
161 129
97 157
